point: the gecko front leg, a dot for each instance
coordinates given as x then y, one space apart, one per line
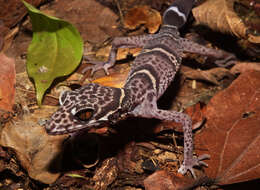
148 109
118 42
223 59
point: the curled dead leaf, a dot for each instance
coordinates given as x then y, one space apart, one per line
213 75
220 15
143 15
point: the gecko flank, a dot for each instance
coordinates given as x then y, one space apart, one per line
150 75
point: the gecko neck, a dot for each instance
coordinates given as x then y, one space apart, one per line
170 29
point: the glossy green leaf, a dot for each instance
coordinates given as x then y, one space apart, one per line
55 51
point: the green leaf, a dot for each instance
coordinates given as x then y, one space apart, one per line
75 176
55 50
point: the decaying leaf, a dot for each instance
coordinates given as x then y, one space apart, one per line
163 180
245 66
232 132
55 51
212 75
143 15
220 15
95 22
106 174
38 152
11 12
116 80
7 82
121 54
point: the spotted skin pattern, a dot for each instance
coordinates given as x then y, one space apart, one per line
150 75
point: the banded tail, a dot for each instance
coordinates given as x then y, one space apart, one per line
177 13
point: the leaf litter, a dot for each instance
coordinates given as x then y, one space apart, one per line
33 157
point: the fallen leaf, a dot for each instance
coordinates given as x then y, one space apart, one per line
249 13
116 80
127 158
11 12
95 21
106 174
121 54
232 132
2 28
163 180
55 51
221 17
212 75
38 152
244 67
7 83
143 15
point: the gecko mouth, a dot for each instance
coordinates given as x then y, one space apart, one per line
53 129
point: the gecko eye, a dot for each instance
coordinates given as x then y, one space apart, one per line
85 115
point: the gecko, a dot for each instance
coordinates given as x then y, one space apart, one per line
151 73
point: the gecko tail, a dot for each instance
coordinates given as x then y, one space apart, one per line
177 13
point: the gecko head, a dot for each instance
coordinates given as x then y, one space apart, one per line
87 107
177 14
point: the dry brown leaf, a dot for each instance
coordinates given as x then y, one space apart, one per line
95 22
11 12
219 15
243 67
143 15
121 54
163 180
212 75
7 82
116 80
38 152
232 132
106 174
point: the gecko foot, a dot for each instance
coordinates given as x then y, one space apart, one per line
189 164
96 65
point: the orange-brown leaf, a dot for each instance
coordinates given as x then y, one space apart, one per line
244 67
232 133
143 15
163 180
7 82
116 80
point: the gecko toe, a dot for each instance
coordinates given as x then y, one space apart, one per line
204 157
196 161
96 67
